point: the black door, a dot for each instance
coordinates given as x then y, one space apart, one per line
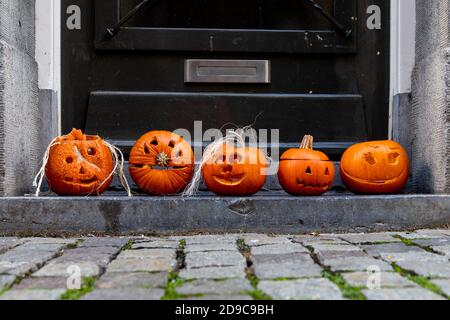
300 66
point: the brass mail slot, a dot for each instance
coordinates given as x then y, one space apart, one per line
227 71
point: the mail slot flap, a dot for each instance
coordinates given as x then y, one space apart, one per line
227 71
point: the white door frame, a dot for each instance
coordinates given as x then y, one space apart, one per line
48 45
403 42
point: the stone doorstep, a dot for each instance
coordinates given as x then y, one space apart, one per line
263 213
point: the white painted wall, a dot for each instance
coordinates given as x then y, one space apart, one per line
403 41
48 43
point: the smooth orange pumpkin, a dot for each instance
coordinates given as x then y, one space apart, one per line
304 171
161 163
79 165
377 167
234 171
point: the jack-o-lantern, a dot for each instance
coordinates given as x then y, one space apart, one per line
161 163
235 171
79 165
304 171
377 167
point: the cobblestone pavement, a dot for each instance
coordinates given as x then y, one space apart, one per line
390 266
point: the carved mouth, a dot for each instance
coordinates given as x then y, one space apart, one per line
229 179
84 182
375 182
303 184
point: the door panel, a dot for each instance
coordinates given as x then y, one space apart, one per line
322 82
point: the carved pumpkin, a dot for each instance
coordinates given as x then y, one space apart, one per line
161 163
79 165
234 171
378 167
304 171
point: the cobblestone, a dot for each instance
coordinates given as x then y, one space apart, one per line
356 264
43 283
216 273
6 281
61 269
309 289
383 280
142 265
195 260
208 287
279 249
221 297
125 294
9 243
287 267
132 280
208 239
156 244
390 249
210 247
370 238
33 294
255 240
401 294
443 284
445 250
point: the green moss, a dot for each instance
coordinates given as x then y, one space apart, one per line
254 281
411 243
173 282
243 247
182 244
285 279
86 287
16 282
128 246
257 294
72 246
348 291
420 280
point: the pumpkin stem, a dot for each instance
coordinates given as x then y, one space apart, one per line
307 142
162 159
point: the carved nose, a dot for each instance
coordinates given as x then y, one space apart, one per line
82 171
227 169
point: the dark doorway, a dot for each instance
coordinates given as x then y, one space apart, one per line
175 62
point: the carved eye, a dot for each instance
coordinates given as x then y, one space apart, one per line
327 172
221 159
92 152
154 141
393 157
370 159
308 170
172 144
236 158
69 160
